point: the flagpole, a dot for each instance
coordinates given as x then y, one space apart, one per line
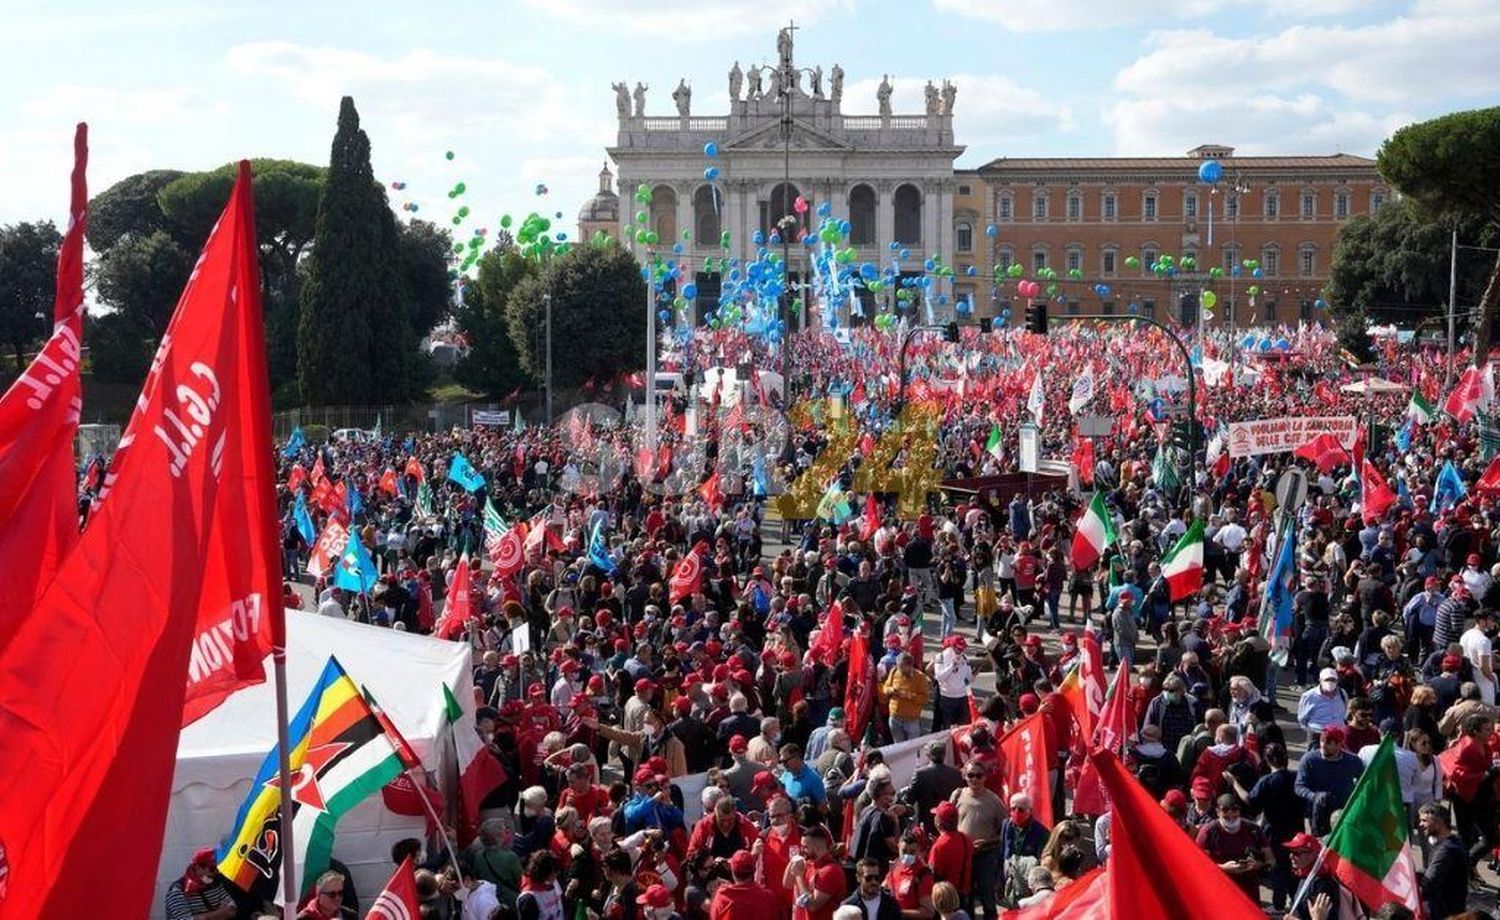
436 821
284 764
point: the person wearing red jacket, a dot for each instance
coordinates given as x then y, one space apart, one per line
744 898
776 848
910 880
1224 754
721 834
1470 783
951 857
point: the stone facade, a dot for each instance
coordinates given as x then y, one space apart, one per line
891 175
1092 213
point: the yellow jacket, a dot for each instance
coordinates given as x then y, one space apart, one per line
907 695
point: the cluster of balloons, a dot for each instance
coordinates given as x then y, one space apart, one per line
541 188
398 186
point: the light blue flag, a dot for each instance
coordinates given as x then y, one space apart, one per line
304 521
759 478
1403 437
1450 488
295 443
1403 494
599 553
1281 587
461 471
352 499
355 570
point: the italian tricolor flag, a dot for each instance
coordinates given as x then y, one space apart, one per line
479 771
993 446
1183 566
1095 533
1419 409
1368 851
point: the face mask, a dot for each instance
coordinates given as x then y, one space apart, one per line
1431 840
1172 696
1017 816
908 859
460 894
1231 824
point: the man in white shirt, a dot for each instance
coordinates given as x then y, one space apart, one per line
1477 648
1476 579
951 671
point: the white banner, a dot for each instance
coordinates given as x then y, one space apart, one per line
1281 435
490 417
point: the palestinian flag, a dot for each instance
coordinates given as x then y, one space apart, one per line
1368 851
1419 409
994 446
341 754
1183 566
424 499
1095 533
479 771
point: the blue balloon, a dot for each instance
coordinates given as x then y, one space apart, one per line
711 173
1283 345
905 253
1248 341
845 227
824 209
895 246
942 299
992 231
710 149
1210 172
1005 313
1134 308
1234 270
1258 273
971 271
1320 303
677 248
759 238
868 270
1264 345
665 316
689 291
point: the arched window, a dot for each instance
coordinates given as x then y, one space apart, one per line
777 211
862 216
1075 205
708 206
1109 261
1190 205
1270 260
907 204
963 235
1007 206
1341 204
1148 205
1307 260
1006 259
664 213
1073 256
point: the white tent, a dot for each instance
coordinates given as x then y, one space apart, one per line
219 754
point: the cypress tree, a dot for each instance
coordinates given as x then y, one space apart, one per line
354 342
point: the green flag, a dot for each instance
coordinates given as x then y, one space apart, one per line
1368 851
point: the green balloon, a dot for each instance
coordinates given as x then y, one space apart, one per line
505 221
652 237
1016 270
1132 262
1209 298
448 155
460 188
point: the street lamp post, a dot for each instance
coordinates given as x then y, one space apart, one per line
547 303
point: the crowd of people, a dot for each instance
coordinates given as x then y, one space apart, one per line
604 675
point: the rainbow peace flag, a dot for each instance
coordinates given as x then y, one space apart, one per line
340 754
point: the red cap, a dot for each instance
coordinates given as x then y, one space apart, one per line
721 672
1069 638
1033 640
579 701
1335 733
1029 703
644 684
1174 799
763 780
1303 841
509 661
945 813
564 612
536 689
718 692
1203 786
893 641
1452 662
713 647
644 775
570 666
604 616
738 744
682 705
741 676
596 682
655 896
658 765
742 863
622 645
1432 581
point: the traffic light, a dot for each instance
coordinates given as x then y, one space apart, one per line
950 332
1036 318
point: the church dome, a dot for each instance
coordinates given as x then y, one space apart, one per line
605 205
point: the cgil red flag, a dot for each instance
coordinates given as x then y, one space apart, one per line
1024 752
38 423
711 492
1110 730
1325 452
687 578
1377 495
388 482
458 608
1490 480
1466 395
398 899
510 550
176 574
859 687
1144 839
1083 459
830 640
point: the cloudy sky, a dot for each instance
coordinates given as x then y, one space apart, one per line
519 89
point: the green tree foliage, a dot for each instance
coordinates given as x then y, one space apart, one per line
492 365
142 278
28 273
1450 166
119 349
355 342
425 248
598 316
129 208
1393 266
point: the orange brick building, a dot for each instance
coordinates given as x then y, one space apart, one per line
1091 214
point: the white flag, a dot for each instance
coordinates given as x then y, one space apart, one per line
1083 390
1034 401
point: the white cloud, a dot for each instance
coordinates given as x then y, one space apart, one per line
1410 57
1305 88
690 20
988 110
1066 15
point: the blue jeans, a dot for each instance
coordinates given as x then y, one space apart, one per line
950 617
905 729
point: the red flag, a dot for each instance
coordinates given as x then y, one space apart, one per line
1086 899
1083 459
1466 395
414 469
1377 495
457 610
328 549
1325 451
177 574
830 640
711 492
859 688
318 474
296 477
871 521
687 578
425 619
1024 753
510 550
388 482
1490 480
1149 839
398 899
38 423
1110 732
322 491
